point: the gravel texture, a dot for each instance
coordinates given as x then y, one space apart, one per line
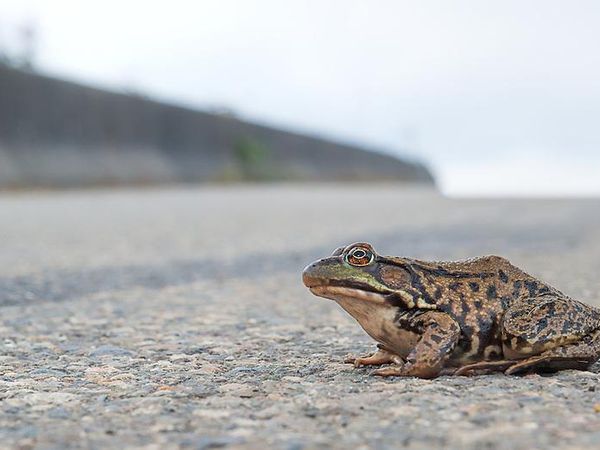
177 319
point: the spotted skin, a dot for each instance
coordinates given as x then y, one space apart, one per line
477 315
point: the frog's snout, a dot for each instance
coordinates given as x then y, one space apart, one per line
309 275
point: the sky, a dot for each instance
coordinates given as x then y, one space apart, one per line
497 98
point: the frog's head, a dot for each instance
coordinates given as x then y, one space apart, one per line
356 272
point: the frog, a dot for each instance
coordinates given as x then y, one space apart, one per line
476 316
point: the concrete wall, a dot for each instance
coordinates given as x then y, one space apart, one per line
58 134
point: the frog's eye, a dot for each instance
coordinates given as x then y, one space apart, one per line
359 256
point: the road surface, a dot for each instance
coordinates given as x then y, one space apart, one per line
176 318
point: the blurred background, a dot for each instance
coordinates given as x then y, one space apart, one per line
482 99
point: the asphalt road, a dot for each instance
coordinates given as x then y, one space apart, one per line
177 318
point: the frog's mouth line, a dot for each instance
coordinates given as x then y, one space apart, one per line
344 292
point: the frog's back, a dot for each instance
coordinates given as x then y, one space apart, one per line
487 280
476 293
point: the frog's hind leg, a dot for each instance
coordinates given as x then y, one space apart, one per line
535 325
550 332
484 367
579 355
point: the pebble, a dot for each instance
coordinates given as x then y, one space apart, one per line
110 350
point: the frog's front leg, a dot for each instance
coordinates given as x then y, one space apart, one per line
380 357
439 335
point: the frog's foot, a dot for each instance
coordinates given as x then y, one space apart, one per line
392 371
484 367
411 370
545 363
380 357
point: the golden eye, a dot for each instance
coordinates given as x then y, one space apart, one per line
359 256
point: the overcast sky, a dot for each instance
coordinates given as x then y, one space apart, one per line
497 97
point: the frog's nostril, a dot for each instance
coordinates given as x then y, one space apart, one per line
308 274
310 267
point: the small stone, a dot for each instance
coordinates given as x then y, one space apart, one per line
212 413
110 350
58 413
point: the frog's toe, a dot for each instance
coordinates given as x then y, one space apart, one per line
378 358
389 372
350 359
358 361
361 361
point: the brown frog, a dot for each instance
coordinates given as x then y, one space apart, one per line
475 316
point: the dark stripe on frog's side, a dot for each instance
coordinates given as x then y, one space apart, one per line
477 336
493 339
423 276
438 271
477 317
398 301
404 319
418 269
530 288
463 309
416 281
487 325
